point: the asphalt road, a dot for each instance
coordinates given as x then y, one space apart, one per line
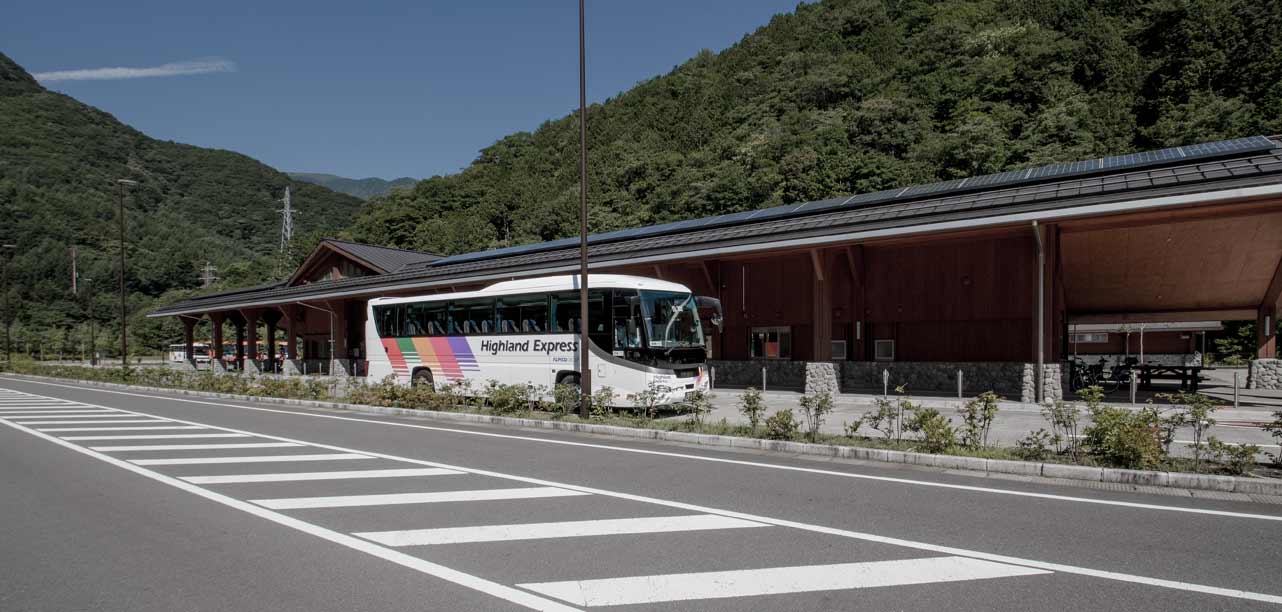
299 509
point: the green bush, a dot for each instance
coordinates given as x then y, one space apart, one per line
883 418
565 399
813 408
1126 439
647 401
1064 418
1236 458
1035 446
935 431
1274 428
977 420
781 425
752 406
696 404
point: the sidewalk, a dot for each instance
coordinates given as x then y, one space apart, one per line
1014 419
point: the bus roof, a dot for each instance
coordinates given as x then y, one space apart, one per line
569 282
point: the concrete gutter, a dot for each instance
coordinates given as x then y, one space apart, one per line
1175 480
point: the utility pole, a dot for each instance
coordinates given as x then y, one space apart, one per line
93 330
585 368
8 315
124 312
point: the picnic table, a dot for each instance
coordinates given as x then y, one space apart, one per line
1188 375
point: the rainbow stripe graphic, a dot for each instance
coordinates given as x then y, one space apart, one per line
448 356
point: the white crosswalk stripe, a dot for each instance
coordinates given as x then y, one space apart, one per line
169 447
157 436
303 476
774 581
90 422
104 415
129 428
36 413
347 501
257 459
566 529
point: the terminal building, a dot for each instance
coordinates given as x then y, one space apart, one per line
995 276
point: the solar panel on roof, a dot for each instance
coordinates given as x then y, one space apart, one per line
1010 178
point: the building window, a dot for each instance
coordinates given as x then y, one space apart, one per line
770 343
884 350
838 350
1092 338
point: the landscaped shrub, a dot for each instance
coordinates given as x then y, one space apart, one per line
1194 411
977 420
1236 458
565 399
781 425
1275 429
934 430
1126 439
751 406
696 404
1064 418
883 418
1035 446
648 400
813 408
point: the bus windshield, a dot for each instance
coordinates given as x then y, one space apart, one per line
671 319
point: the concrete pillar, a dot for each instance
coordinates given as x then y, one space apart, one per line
340 364
239 322
216 363
250 362
291 317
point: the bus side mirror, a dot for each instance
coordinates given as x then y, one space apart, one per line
709 303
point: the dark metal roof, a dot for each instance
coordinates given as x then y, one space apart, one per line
388 259
1245 171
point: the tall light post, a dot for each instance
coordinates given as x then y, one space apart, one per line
8 316
124 314
93 330
585 368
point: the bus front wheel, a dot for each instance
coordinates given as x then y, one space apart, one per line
422 378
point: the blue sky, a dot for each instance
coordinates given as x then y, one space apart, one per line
362 88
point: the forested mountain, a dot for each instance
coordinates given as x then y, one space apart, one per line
362 188
851 96
59 160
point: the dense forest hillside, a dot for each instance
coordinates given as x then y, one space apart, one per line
59 159
364 188
858 95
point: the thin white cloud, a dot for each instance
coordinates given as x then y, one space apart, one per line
201 66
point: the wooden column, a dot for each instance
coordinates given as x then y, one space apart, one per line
216 338
270 318
822 325
189 337
291 316
858 303
251 325
1265 338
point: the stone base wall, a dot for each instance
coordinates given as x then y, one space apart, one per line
1054 381
780 374
1265 374
934 376
821 378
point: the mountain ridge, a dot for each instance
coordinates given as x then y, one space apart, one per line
363 188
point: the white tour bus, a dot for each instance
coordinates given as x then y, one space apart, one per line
643 331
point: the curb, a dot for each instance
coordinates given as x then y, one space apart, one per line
1176 480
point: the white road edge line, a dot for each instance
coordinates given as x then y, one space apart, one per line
856 535
754 464
477 583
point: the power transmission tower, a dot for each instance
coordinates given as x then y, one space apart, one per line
207 276
287 213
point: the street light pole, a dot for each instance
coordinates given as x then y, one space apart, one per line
124 314
93 330
8 316
585 368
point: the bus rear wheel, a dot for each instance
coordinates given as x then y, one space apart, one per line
422 378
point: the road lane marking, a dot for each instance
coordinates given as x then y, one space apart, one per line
722 460
566 529
774 581
476 583
105 415
302 476
153 428
169 447
156 436
855 535
391 499
153 421
54 408
262 459
38 413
